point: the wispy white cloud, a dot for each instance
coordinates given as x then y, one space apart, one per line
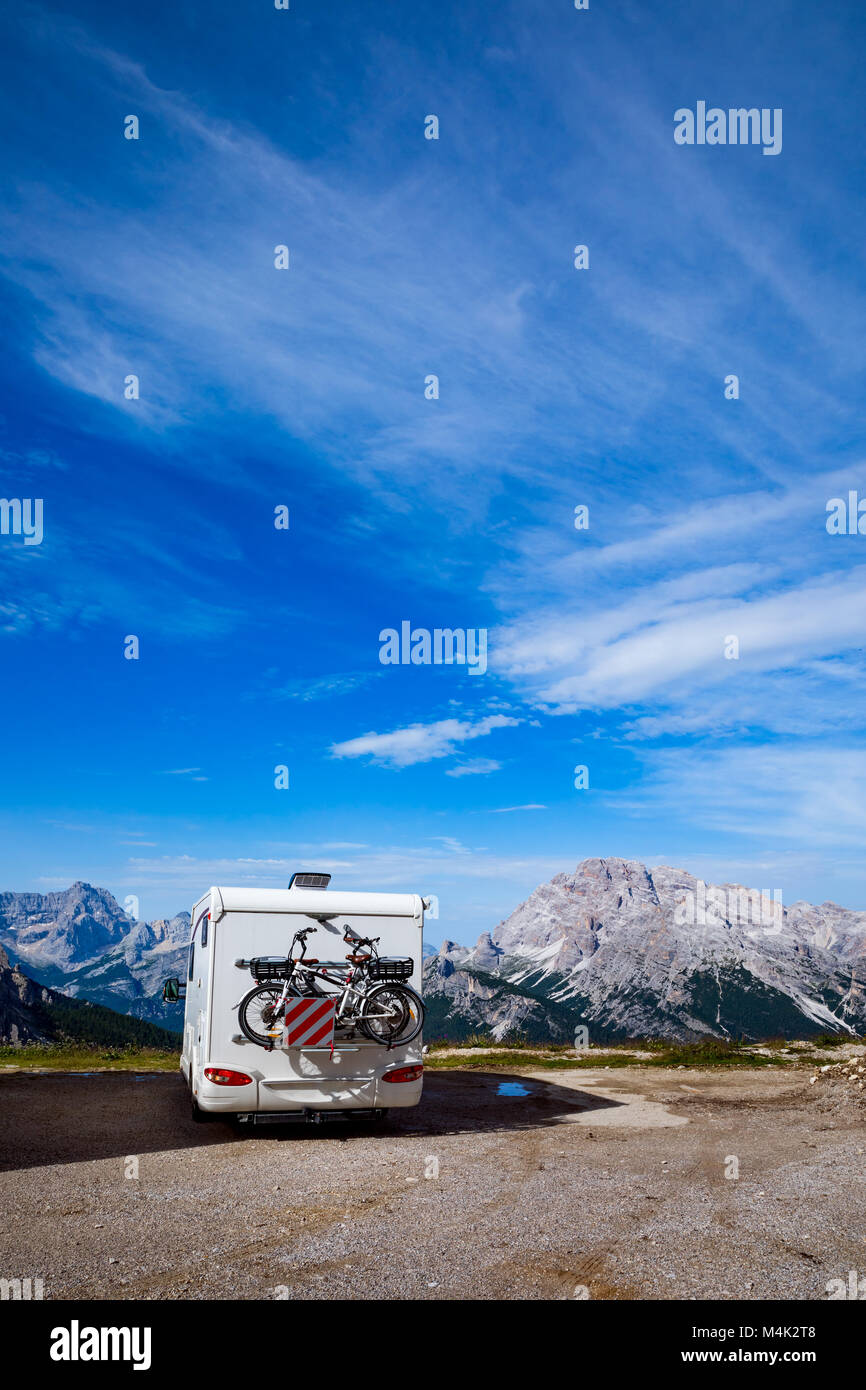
323 687
391 867
666 642
419 743
194 274
813 794
475 767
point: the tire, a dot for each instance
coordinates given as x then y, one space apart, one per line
251 1010
201 1117
402 1027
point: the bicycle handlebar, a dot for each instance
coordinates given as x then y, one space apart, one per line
353 940
361 940
302 937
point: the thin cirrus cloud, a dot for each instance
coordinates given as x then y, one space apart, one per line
475 767
358 260
199 285
386 865
323 687
657 647
420 743
799 792
660 592
728 543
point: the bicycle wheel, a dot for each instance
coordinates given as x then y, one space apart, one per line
392 1014
257 1014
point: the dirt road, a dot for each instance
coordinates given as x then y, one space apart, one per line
617 1183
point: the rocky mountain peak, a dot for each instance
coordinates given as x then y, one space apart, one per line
62 929
632 951
486 954
80 941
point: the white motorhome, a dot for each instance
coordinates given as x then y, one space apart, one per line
229 1075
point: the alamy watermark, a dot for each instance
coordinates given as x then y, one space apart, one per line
736 126
737 906
22 516
77 1343
443 646
846 518
854 1289
16 1290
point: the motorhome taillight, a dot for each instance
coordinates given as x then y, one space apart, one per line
403 1074
222 1077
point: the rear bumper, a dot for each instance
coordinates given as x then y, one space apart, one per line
294 1096
315 1117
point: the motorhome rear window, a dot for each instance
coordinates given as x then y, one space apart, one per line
191 957
204 932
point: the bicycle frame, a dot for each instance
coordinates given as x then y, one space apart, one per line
347 989
333 973
326 972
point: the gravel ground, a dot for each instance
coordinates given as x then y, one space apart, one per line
609 1182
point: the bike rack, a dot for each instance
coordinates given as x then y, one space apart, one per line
338 1047
243 964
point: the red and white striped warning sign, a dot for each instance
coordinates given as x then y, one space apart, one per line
309 1023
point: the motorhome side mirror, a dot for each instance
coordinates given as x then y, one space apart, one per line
171 991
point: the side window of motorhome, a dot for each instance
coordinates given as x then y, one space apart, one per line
204 932
191 957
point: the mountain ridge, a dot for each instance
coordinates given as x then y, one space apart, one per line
627 951
81 942
614 947
33 1013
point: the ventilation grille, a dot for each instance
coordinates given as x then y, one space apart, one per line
309 880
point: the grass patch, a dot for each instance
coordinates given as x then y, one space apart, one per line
831 1040
513 1043
71 1056
706 1052
712 1052
522 1059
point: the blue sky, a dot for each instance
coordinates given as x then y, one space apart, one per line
305 388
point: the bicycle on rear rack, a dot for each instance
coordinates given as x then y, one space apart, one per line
373 998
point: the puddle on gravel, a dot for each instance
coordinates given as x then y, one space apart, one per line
511 1088
70 1075
105 1071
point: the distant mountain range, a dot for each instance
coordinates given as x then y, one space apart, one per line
629 952
615 947
32 1013
81 942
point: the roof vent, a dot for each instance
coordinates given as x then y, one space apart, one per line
309 880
